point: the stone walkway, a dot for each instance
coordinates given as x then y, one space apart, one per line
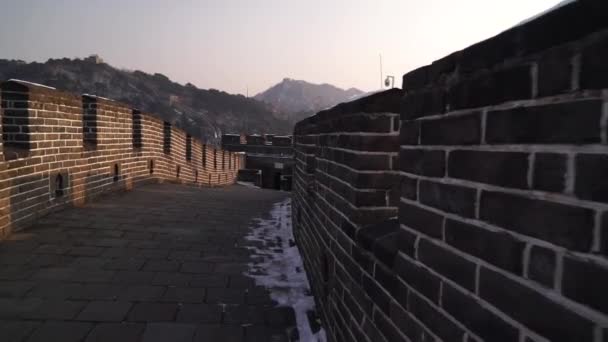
161 263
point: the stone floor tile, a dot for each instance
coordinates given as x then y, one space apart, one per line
161 265
200 313
184 295
225 296
165 332
197 267
17 331
172 279
116 332
105 311
153 312
224 333
15 288
142 293
61 331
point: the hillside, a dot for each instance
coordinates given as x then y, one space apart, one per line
203 113
299 99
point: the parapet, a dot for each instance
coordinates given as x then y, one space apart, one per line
473 204
59 149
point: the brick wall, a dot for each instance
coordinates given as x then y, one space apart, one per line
502 223
60 149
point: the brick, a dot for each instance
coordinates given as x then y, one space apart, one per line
434 319
423 103
554 72
376 293
422 220
61 331
409 188
499 249
507 169
410 327
489 88
417 277
575 122
409 132
153 312
549 319
449 198
447 263
550 172
561 224
159 332
451 130
542 265
483 322
604 233
593 66
591 183
389 330
585 282
422 162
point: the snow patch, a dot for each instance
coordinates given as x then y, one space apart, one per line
30 83
280 268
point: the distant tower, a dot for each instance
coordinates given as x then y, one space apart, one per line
94 59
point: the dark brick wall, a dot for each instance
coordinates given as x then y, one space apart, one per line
79 147
489 221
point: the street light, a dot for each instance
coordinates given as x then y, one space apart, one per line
389 81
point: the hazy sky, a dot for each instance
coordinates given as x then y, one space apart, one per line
235 44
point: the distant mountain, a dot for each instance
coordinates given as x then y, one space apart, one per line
203 113
300 98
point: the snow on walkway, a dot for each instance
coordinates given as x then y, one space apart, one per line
278 267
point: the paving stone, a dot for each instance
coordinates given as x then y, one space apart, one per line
184 295
197 267
55 290
104 311
51 309
142 293
230 268
225 296
244 314
116 332
15 258
257 333
200 313
16 288
171 279
97 292
133 277
174 332
241 281
208 333
85 251
153 312
152 253
17 331
184 255
124 264
208 280
161 266
61 331
88 263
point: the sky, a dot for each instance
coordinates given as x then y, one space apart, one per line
242 46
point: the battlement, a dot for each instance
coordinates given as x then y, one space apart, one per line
59 149
473 204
